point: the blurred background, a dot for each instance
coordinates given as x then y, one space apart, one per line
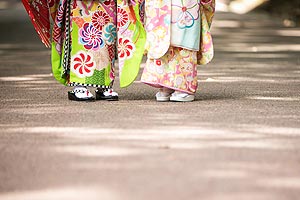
288 11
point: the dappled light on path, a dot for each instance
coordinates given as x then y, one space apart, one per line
239 140
109 163
63 193
238 6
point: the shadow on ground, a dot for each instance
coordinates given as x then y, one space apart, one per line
238 140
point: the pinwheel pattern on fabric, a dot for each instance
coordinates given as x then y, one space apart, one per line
83 65
125 48
91 37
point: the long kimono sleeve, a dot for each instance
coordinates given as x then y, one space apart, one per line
131 40
206 52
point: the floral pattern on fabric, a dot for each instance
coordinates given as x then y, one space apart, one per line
123 17
131 40
100 19
175 49
206 53
85 38
157 25
83 64
186 24
177 69
185 15
90 37
83 32
125 48
109 33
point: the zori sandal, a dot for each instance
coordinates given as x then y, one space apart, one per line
106 94
80 93
182 97
164 94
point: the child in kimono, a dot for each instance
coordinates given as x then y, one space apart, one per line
178 39
84 43
83 47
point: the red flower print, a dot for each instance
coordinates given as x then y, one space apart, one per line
122 17
83 65
125 48
158 62
108 2
99 19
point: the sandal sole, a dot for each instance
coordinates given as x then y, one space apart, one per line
72 97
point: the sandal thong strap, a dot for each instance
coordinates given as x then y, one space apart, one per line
80 93
106 94
183 97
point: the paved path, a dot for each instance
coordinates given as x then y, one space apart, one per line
238 140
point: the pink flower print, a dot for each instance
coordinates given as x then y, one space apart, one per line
125 48
83 65
99 19
90 37
122 17
185 14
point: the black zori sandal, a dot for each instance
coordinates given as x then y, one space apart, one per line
106 94
80 93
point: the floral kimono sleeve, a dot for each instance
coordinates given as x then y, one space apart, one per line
206 52
131 40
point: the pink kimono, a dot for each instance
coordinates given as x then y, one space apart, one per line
178 39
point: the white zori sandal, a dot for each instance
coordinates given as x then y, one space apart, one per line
80 93
164 94
182 97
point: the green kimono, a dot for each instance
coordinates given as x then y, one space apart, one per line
85 37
